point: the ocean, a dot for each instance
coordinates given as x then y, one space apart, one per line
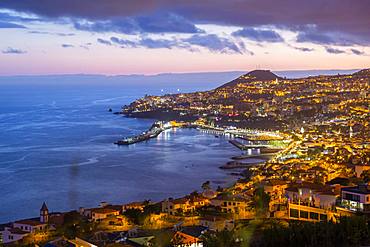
56 145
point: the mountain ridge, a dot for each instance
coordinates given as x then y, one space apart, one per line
254 75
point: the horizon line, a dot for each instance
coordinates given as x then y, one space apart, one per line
174 73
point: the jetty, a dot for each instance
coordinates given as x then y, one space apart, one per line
154 131
245 147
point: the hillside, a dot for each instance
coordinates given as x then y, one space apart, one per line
261 99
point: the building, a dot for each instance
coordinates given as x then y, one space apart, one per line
189 237
44 213
275 188
356 198
217 223
10 235
98 214
135 205
312 214
231 204
325 199
21 228
104 211
184 205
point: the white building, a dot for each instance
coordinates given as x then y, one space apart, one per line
356 198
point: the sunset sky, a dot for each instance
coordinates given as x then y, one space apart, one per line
149 37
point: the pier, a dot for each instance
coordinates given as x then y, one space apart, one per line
245 147
154 131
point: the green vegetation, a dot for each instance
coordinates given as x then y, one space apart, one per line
221 239
350 231
137 216
261 201
75 225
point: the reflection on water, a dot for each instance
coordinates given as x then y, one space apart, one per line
73 190
57 146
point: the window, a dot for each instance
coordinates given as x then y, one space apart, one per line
351 197
294 213
303 214
323 217
314 216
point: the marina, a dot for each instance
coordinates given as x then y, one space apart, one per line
154 131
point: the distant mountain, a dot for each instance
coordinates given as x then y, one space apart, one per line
362 72
255 75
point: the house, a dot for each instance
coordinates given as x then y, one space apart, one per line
21 228
10 234
135 205
30 225
78 242
230 203
98 214
356 198
303 193
184 205
104 211
275 188
176 206
325 199
217 223
189 237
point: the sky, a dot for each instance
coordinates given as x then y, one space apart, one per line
115 37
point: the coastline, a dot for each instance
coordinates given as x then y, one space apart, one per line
234 171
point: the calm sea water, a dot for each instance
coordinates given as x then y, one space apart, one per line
56 146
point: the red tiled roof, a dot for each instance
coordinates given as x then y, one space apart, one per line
103 210
29 222
17 231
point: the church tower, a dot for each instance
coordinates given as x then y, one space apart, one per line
44 213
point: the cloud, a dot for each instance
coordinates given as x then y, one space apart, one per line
331 16
123 42
118 26
10 25
214 43
11 50
67 46
52 33
166 23
210 42
157 23
314 36
304 49
104 41
334 51
259 35
357 52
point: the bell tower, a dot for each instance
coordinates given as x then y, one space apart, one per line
44 213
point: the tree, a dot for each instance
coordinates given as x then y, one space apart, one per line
261 200
206 185
223 238
134 215
365 175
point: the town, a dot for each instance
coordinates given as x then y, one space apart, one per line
315 131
